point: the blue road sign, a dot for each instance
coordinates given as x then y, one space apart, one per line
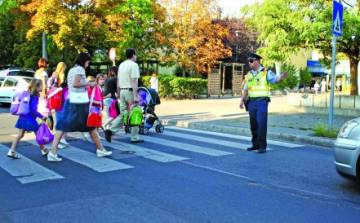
337 19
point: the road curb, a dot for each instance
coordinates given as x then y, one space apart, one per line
309 140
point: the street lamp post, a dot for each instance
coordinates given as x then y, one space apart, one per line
237 44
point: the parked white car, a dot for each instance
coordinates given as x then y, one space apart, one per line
347 150
12 85
16 71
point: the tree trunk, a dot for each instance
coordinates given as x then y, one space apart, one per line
354 76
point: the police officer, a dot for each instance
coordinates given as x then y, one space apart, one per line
257 90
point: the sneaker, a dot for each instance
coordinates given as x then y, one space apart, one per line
61 146
53 158
45 151
86 136
102 153
108 135
64 142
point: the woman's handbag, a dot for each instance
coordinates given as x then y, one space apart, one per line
43 134
95 115
79 97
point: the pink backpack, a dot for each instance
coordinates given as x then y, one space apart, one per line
20 104
114 110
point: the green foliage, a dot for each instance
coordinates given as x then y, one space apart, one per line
179 87
305 76
323 131
188 87
291 81
288 26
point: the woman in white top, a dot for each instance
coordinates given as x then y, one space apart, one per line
154 82
74 115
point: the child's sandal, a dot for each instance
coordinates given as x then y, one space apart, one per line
12 154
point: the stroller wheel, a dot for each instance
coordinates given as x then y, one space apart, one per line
159 128
145 131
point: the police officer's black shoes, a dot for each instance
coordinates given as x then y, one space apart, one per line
253 148
261 151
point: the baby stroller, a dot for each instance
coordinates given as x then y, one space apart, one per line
149 99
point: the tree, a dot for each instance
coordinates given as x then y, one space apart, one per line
140 24
7 36
245 39
195 41
287 26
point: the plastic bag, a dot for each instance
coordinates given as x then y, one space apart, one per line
44 135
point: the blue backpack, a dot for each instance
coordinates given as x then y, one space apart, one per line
20 104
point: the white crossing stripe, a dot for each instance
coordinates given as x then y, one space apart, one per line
185 146
220 142
99 164
25 170
139 151
284 144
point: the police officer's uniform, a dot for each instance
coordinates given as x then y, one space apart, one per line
257 83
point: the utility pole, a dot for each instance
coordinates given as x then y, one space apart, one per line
44 46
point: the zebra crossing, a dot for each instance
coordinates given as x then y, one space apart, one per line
29 170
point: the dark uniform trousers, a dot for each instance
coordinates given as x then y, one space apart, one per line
258 112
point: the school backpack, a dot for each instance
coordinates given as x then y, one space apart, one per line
20 104
54 98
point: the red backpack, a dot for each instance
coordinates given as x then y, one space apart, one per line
54 98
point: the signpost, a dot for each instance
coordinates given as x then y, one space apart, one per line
337 31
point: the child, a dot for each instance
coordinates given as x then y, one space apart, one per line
316 87
28 122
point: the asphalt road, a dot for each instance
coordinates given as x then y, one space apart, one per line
181 175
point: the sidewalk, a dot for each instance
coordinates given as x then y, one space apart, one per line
224 115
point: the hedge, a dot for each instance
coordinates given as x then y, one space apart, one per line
178 87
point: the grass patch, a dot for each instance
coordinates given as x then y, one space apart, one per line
305 128
291 127
323 131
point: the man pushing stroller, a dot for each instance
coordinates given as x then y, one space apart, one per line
128 75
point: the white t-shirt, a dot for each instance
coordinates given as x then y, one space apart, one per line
127 71
71 76
154 83
40 74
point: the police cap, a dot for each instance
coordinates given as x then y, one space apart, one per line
254 56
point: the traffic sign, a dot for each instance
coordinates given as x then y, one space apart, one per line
337 19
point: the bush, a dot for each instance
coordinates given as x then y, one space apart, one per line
188 87
305 76
172 86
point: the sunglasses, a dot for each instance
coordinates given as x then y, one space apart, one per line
251 60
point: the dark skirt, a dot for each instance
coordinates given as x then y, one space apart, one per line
28 125
73 118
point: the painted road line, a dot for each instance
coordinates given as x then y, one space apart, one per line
235 145
186 146
25 170
90 160
139 151
284 144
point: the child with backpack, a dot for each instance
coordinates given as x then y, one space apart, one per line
28 122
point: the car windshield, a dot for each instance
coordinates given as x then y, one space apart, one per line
28 80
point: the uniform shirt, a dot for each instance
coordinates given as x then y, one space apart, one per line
127 71
270 76
71 76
